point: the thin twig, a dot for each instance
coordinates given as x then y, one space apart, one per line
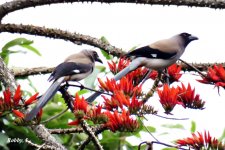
149 131
195 69
54 117
170 117
168 145
90 89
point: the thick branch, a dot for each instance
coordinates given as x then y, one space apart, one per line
32 71
60 34
44 70
21 4
6 77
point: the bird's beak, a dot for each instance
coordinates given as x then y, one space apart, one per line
99 60
192 38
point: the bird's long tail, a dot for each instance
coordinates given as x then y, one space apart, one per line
132 66
45 98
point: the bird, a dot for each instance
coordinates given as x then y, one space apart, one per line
158 56
74 68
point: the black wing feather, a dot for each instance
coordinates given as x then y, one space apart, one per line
149 52
68 68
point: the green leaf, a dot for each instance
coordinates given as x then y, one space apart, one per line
23 42
106 55
101 68
17 41
173 126
193 126
31 48
151 129
81 92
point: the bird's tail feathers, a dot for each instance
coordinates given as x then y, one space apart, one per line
91 98
45 98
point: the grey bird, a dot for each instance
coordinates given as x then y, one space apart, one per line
75 68
158 55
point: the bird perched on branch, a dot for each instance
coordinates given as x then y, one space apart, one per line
158 55
75 68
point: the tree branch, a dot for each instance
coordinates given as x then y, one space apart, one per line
91 135
20 73
6 77
75 38
9 7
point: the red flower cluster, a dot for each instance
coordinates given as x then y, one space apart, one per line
201 141
124 85
12 103
215 75
119 100
121 121
189 99
113 120
170 97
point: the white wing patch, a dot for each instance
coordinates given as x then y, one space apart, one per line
76 71
154 55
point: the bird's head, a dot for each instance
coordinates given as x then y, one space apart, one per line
187 38
94 56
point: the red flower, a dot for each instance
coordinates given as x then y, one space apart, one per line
118 100
18 113
168 98
18 95
96 115
75 123
117 67
153 75
31 100
121 122
7 97
200 141
80 109
189 99
135 105
80 104
174 72
215 75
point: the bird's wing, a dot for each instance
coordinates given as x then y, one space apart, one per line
69 68
149 52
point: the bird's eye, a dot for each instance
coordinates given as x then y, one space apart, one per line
185 34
